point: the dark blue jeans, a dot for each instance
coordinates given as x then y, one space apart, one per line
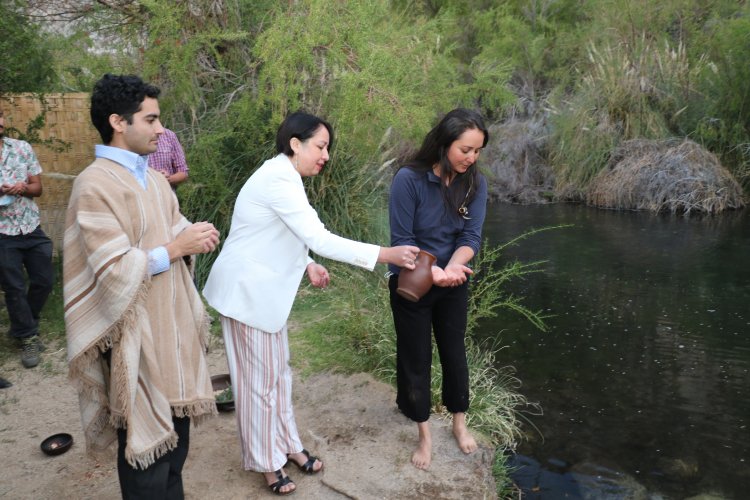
32 252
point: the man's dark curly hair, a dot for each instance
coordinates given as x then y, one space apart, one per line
121 95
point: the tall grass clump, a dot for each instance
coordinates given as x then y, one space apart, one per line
722 121
628 90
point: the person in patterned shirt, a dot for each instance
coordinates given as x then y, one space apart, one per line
169 159
23 244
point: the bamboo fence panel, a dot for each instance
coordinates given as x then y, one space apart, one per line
66 119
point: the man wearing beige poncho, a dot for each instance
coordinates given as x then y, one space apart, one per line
136 326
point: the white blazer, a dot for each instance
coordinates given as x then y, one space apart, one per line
256 276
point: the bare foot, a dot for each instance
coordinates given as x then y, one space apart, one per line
280 476
422 456
465 440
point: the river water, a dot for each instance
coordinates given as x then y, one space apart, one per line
643 373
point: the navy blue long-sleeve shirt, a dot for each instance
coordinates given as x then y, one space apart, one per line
419 216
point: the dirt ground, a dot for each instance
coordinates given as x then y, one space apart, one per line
351 422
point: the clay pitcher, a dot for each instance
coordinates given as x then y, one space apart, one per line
413 284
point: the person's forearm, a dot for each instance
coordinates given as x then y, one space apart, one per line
33 189
462 256
175 250
177 178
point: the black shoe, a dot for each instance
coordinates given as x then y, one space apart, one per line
4 383
30 352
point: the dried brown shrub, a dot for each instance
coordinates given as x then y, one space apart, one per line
514 157
673 175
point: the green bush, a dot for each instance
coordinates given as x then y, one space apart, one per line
26 64
381 80
722 123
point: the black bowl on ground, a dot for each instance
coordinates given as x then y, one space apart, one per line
57 444
221 383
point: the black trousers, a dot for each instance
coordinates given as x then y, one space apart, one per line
162 479
442 311
32 251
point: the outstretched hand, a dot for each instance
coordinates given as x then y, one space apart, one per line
452 275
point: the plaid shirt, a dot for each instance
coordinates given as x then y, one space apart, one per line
169 156
17 163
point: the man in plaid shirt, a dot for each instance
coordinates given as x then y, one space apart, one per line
169 159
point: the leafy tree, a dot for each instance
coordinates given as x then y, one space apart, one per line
381 78
26 62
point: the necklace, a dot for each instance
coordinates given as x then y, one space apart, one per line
463 210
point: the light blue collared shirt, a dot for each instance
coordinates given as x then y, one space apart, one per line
158 258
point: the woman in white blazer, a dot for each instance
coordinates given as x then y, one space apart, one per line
254 281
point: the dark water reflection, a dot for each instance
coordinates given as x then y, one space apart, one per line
645 367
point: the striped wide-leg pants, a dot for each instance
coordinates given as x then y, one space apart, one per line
262 387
